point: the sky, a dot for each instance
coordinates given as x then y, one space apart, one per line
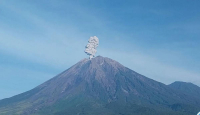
41 38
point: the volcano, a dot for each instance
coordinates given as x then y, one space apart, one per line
101 86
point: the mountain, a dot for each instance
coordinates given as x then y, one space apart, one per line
187 88
100 86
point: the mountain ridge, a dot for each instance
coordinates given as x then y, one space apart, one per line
186 87
97 86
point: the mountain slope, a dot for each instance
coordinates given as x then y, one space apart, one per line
187 88
100 86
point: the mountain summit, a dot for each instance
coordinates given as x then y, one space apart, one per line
100 86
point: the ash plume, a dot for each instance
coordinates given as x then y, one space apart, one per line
90 48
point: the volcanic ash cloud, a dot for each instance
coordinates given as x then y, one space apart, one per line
91 47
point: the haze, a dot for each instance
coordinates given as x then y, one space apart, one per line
39 39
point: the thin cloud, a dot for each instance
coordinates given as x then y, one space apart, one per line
152 67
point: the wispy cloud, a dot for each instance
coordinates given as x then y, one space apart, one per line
15 80
53 48
153 67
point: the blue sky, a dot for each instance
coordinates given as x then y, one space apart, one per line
41 38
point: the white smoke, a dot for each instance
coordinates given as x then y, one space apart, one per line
90 49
